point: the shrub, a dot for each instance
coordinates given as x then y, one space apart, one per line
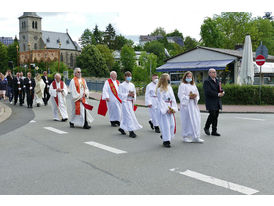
240 95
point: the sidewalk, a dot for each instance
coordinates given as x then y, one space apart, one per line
268 109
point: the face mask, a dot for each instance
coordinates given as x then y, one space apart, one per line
168 81
188 79
155 81
128 79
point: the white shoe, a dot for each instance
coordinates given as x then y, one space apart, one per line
10 102
185 139
198 140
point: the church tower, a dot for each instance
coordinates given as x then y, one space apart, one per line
30 31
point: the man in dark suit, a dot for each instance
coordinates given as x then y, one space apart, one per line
29 87
47 82
18 86
213 93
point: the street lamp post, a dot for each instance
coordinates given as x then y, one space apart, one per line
17 58
29 56
59 56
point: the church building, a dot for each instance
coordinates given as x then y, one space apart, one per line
31 37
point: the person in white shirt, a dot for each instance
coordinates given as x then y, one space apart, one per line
58 92
80 116
190 113
127 93
151 103
39 89
114 103
167 106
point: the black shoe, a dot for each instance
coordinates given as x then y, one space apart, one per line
38 105
151 125
166 144
71 125
122 131
113 124
117 123
157 130
161 137
21 104
207 131
132 134
86 126
215 134
63 120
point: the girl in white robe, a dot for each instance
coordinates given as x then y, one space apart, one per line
60 110
190 113
39 90
85 118
127 93
167 106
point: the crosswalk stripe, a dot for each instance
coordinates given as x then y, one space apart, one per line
105 147
55 130
215 181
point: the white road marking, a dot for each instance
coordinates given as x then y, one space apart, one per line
32 121
250 118
104 147
55 130
215 181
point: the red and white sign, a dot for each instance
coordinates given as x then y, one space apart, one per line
260 60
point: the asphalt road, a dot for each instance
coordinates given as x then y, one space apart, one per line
35 160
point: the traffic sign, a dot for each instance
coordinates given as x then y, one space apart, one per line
262 50
260 60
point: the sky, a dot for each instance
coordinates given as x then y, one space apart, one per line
129 18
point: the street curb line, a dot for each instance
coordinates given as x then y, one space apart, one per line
5 112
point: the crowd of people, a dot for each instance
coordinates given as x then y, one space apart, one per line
118 99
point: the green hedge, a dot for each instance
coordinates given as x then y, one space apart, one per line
240 95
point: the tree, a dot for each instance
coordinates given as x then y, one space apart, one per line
120 41
12 52
190 43
109 36
175 33
211 35
3 58
86 38
117 67
230 29
128 58
149 64
158 49
97 35
92 62
107 55
159 31
139 74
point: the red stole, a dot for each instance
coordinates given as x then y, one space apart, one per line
77 103
102 109
54 85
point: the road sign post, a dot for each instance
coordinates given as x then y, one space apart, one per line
260 60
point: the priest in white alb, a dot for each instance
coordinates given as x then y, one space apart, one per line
152 102
114 103
80 116
58 92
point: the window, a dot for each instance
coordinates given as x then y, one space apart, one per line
33 24
24 37
24 47
35 46
58 40
48 40
61 57
71 60
67 41
36 25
